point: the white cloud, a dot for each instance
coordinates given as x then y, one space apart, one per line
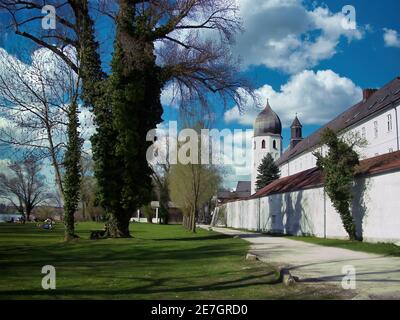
316 97
286 36
391 38
170 96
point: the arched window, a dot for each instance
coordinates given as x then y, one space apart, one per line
274 144
263 144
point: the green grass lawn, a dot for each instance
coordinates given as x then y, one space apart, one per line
388 249
159 262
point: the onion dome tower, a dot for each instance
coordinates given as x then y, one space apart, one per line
267 138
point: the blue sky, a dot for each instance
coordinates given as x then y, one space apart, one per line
366 61
353 60
298 55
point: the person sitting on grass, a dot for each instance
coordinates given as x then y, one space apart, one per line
48 224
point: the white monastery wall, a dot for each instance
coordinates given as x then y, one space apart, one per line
310 212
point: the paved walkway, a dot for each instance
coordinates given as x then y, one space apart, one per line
377 277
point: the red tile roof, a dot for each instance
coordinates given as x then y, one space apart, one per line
312 178
307 179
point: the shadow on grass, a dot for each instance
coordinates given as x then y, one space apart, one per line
162 262
103 254
154 286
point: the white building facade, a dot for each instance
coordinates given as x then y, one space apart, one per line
297 203
376 119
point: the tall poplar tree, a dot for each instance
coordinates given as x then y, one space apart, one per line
72 178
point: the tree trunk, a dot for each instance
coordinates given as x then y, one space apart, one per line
83 210
118 227
21 210
54 161
185 221
69 222
347 219
193 221
136 87
72 178
164 219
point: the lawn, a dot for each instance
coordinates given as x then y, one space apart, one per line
387 249
159 262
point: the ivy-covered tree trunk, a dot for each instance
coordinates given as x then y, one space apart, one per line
338 168
136 88
347 219
108 168
118 225
72 177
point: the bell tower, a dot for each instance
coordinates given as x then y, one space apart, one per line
296 132
267 138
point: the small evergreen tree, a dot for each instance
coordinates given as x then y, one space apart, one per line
338 167
268 171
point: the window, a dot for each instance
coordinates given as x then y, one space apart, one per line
363 134
390 149
274 144
376 129
263 144
254 145
389 123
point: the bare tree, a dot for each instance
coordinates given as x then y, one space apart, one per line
191 187
34 100
191 38
193 184
24 187
76 27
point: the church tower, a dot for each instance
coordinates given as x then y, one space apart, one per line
296 135
267 138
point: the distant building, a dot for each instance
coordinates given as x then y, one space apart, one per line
174 213
243 190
